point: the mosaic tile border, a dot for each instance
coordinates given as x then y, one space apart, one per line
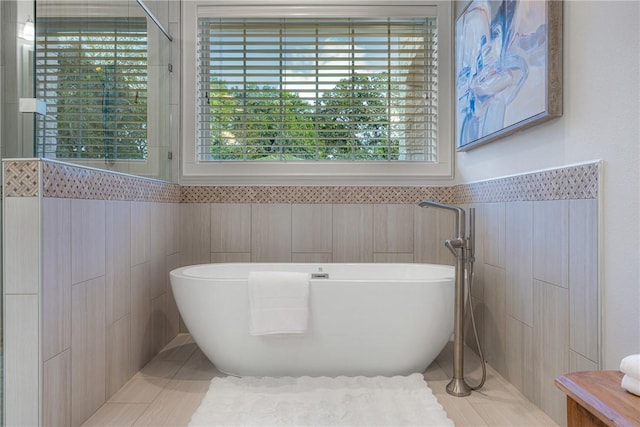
62 180
70 181
316 194
574 182
21 178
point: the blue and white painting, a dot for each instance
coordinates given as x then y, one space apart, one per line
501 65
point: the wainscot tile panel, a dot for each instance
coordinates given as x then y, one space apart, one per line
519 260
231 227
56 276
551 242
352 233
88 331
583 277
522 339
88 239
271 233
392 228
88 349
311 228
550 347
22 235
56 383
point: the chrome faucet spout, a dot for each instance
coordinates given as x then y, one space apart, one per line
460 219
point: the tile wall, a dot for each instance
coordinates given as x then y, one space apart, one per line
107 243
86 289
535 290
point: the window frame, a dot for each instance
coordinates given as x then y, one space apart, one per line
195 172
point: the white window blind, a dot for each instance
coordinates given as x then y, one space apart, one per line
92 74
273 89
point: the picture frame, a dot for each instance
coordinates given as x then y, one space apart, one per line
508 68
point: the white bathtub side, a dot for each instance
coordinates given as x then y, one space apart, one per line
356 327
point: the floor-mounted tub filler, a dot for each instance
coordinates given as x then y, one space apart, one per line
363 319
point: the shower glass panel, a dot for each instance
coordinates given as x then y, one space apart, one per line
102 69
131 95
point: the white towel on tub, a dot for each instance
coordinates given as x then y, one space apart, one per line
278 302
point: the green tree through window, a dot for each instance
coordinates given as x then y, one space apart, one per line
94 82
306 89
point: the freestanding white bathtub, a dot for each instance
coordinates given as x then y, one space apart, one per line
364 319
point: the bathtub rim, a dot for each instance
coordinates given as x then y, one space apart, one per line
447 271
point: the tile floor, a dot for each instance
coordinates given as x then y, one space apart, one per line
169 389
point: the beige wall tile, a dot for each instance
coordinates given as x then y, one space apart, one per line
478 253
426 238
218 257
393 228
311 257
88 239
158 231
551 242
551 346
158 277
583 277
194 233
22 245
88 354
173 316
140 317
56 276
21 363
311 227
352 233
271 233
395 257
493 224
158 323
230 227
519 260
478 312
118 352
56 390
578 362
446 230
171 223
140 232
495 318
519 358
432 227
118 259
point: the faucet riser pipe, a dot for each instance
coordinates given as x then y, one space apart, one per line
459 247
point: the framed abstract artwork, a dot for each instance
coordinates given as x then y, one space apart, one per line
508 65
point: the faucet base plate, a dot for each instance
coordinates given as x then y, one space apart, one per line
457 387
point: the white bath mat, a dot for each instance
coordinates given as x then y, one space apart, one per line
320 401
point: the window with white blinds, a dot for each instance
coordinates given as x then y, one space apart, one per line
92 74
334 89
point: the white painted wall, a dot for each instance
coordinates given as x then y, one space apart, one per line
601 121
